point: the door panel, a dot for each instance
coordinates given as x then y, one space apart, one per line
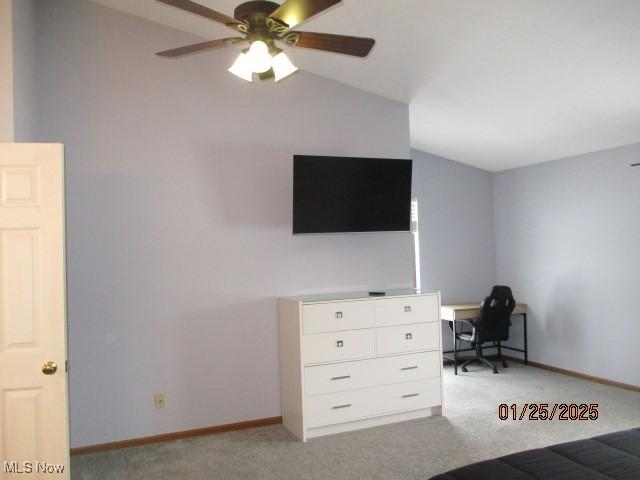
33 406
19 267
19 185
19 416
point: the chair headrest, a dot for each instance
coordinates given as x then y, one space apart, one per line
500 297
501 291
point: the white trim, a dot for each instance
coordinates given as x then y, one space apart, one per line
415 231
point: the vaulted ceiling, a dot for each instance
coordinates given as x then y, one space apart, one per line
492 83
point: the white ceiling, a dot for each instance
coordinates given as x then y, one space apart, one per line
492 83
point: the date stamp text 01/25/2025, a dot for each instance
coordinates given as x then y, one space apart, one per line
546 412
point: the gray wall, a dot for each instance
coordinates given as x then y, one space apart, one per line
457 248
456 210
6 72
24 73
567 238
179 218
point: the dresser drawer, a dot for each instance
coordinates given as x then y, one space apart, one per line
333 317
407 310
338 377
405 368
367 402
335 346
408 338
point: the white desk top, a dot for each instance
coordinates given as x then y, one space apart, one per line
471 310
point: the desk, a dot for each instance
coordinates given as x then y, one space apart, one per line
469 311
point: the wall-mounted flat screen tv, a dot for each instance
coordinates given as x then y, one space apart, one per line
351 195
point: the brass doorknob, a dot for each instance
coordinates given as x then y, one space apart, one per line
49 368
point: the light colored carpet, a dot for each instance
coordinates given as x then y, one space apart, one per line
468 432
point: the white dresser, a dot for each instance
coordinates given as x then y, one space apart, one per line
350 361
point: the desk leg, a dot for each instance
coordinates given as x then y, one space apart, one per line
455 350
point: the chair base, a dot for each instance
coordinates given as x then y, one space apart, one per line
480 359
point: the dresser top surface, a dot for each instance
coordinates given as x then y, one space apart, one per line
343 296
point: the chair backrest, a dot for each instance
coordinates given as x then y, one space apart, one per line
495 315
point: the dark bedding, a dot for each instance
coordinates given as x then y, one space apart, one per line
612 456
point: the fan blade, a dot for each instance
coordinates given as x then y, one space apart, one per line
203 11
294 12
356 46
196 47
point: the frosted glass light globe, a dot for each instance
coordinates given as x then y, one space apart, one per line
242 68
259 56
282 66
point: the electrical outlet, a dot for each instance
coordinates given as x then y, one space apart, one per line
159 400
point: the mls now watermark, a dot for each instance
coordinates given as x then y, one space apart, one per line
18 468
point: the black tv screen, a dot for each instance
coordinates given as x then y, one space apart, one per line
347 194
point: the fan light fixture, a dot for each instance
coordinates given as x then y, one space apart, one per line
258 59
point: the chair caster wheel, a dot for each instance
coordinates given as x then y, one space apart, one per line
464 369
504 365
495 370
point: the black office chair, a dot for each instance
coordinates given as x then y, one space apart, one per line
491 326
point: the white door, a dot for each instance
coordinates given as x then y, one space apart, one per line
34 435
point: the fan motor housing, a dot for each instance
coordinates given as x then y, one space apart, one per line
257 10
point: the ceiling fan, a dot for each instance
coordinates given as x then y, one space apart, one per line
263 23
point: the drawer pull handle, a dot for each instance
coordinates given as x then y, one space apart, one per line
339 344
343 377
409 368
337 407
410 395
408 336
338 314
407 308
